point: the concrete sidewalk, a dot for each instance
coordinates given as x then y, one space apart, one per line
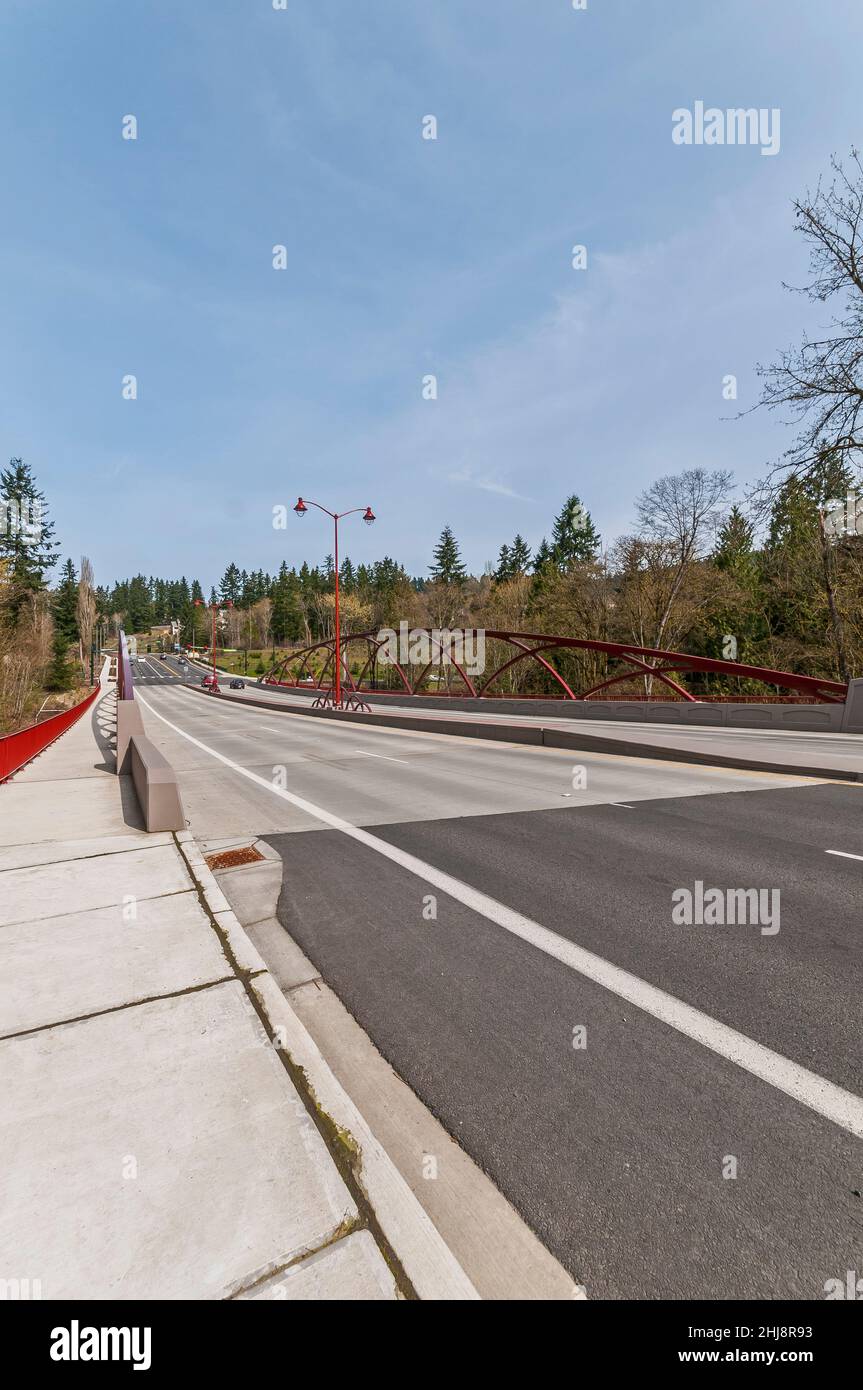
155 1140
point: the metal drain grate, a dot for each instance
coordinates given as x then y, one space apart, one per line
233 858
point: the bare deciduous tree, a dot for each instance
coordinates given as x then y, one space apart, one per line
86 610
678 516
820 382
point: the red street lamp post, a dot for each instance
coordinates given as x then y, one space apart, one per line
368 517
214 609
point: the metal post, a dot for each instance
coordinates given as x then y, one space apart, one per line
338 628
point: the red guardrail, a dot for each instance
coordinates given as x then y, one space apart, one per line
125 687
20 748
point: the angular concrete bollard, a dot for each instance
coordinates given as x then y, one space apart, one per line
129 722
156 786
852 722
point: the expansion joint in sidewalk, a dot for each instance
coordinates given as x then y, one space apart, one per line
118 1008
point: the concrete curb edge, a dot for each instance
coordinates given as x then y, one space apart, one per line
426 1259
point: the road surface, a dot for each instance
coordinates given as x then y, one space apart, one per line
479 911
842 753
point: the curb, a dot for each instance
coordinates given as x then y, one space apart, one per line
427 1261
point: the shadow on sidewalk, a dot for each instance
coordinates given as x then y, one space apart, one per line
103 723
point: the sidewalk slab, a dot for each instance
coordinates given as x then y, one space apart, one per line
352 1269
48 965
34 812
158 1152
57 851
49 890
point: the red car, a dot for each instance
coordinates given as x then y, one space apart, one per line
210 683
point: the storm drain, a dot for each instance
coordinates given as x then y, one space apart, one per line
233 858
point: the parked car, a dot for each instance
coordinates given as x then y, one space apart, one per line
237 684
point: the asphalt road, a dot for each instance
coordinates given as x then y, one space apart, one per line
805 750
473 904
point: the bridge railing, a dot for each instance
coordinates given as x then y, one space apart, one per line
626 662
125 686
18 749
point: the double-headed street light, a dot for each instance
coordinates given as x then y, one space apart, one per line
214 609
368 517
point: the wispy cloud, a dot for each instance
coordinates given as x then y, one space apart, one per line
469 479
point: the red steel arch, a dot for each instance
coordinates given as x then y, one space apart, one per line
652 662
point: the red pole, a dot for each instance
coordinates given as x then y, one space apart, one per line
338 628
214 646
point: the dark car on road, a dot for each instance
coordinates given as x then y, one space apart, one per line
237 684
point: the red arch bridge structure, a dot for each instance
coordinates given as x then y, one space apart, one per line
314 666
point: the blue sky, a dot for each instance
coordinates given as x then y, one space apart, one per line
405 257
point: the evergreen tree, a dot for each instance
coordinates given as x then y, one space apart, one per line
575 538
347 576
65 605
734 605
519 556
543 556
504 565
61 672
733 550
139 607
231 586
27 545
448 566
287 618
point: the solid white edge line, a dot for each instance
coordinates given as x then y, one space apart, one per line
816 1092
843 854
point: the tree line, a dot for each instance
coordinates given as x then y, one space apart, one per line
698 573
45 633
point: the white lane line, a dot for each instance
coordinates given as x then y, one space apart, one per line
622 804
823 1096
382 756
843 854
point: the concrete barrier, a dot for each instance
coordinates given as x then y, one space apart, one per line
853 707
803 718
156 786
623 748
129 724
